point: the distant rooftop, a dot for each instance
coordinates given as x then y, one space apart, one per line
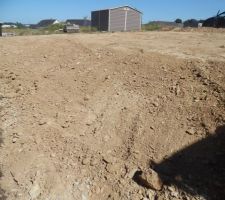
80 22
46 22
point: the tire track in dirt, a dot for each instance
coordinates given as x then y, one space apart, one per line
217 90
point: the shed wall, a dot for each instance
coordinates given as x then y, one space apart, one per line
133 20
117 19
100 20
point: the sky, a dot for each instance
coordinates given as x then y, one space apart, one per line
32 11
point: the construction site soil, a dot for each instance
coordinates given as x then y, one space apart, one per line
135 115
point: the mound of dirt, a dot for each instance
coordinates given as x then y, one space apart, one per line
82 115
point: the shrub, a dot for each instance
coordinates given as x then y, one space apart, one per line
178 21
191 23
151 27
54 27
85 29
19 25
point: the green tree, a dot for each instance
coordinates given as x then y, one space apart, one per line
178 21
19 25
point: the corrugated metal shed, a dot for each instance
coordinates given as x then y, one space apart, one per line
123 18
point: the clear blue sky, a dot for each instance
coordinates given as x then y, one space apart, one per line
32 11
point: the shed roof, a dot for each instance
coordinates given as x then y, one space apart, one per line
120 7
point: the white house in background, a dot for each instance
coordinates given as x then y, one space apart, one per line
9 26
56 22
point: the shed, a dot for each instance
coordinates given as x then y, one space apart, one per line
123 18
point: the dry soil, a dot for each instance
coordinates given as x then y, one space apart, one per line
81 114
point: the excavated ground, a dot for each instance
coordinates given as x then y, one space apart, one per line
81 114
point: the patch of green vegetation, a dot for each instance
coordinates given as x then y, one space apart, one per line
19 25
87 29
151 27
54 28
23 31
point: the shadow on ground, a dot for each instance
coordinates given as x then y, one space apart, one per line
199 168
2 192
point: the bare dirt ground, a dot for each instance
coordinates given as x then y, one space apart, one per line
83 115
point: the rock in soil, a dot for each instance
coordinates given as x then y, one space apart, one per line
34 191
149 179
191 131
